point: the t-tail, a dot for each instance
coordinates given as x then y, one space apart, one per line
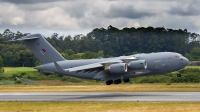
41 48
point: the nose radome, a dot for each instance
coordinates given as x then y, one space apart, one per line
186 61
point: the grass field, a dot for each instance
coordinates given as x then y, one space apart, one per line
18 69
99 106
103 88
192 67
9 71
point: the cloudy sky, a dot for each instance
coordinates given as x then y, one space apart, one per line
70 17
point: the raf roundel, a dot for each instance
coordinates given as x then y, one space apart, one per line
44 50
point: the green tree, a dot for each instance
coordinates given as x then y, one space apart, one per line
89 55
1 62
100 54
135 52
69 52
195 53
37 62
188 56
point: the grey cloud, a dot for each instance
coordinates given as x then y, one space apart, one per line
174 22
29 1
178 24
191 9
77 10
76 13
126 12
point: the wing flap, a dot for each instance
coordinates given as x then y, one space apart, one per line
89 66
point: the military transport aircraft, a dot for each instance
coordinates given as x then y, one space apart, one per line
112 70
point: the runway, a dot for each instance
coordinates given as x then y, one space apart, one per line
101 96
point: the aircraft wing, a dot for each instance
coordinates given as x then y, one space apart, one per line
100 64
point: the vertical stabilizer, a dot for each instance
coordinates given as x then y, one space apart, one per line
41 48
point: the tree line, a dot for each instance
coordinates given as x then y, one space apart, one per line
101 42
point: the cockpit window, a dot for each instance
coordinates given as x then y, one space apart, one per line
176 56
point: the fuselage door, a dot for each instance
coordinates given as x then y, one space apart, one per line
169 62
157 64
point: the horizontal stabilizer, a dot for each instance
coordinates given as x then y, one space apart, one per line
22 39
25 38
10 41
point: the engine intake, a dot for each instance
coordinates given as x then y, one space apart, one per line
138 64
117 68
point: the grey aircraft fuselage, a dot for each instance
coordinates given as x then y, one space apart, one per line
157 63
111 70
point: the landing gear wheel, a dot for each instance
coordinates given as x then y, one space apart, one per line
118 81
178 75
109 82
126 80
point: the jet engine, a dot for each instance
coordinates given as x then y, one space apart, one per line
117 68
138 64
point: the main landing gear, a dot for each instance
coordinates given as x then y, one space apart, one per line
118 81
109 82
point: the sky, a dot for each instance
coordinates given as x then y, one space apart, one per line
71 17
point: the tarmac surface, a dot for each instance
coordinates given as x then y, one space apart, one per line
101 96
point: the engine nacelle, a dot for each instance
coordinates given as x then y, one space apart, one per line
117 68
138 64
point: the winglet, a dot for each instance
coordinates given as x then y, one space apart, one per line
57 66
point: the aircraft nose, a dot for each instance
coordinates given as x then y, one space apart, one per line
186 61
